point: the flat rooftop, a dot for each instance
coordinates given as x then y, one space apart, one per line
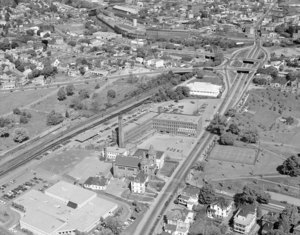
140 120
178 117
50 215
69 192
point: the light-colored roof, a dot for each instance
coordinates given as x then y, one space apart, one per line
127 9
178 118
203 86
70 192
48 214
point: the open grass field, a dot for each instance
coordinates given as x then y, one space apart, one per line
168 168
18 99
233 154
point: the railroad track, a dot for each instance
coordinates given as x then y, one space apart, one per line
44 147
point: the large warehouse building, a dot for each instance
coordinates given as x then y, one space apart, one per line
62 209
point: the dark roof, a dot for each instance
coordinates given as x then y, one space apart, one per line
140 178
127 161
222 202
73 205
99 181
267 227
141 152
248 209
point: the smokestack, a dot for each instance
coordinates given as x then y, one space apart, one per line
120 134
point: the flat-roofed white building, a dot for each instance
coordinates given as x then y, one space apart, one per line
204 89
62 209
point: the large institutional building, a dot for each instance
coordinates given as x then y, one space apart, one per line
168 123
63 209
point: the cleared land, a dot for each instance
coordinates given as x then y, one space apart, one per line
233 154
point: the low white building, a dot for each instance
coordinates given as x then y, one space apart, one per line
96 183
204 89
110 153
220 209
138 184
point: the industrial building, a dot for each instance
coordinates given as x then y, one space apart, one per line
177 124
149 123
63 209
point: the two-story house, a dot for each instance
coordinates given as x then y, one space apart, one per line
220 209
244 219
189 196
138 184
96 183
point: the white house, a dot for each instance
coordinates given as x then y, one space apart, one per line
244 219
110 153
219 209
189 196
96 183
138 184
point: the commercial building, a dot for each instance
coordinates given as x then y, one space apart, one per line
244 219
159 156
62 209
204 89
126 166
177 124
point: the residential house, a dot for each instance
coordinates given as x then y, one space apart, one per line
138 184
96 183
244 219
220 209
189 196
178 222
110 153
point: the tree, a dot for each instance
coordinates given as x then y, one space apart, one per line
199 166
84 94
113 224
249 136
48 71
111 94
23 119
234 129
4 132
16 111
54 118
227 138
97 86
70 89
217 125
72 43
82 70
291 166
61 94
292 76
230 113
20 135
250 195
207 194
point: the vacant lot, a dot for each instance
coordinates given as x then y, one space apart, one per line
65 161
233 154
19 99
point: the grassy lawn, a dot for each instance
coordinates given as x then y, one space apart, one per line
18 99
168 168
233 154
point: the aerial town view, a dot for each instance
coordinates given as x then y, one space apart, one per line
149 117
